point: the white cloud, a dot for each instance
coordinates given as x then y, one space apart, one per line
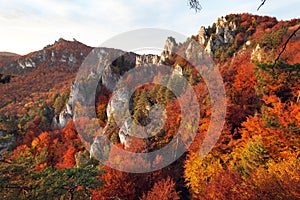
29 25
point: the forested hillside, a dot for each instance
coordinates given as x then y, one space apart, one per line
43 156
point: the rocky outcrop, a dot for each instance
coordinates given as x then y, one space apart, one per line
26 63
53 58
112 73
170 48
109 78
146 59
98 149
257 54
121 96
223 34
41 57
202 36
125 133
178 70
210 46
193 51
61 120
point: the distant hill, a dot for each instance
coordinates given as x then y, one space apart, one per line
61 53
39 74
6 58
8 54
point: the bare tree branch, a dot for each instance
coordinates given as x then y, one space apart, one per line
262 3
286 43
195 4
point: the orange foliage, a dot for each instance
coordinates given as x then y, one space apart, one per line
278 125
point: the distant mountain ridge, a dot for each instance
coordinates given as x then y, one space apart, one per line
61 53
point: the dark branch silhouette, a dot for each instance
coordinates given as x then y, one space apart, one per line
285 44
262 3
195 4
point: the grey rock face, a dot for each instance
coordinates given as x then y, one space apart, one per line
169 49
27 63
109 78
170 46
63 58
223 35
121 96
125 133
41 55
193 50
61 120
97 150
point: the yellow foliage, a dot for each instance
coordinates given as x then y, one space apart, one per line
286 169
280 181
199 171
34 142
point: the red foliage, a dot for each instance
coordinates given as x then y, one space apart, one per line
61 146
68 158
225 185
163 189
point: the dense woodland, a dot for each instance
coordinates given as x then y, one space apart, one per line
256 157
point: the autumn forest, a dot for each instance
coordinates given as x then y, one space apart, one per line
257 156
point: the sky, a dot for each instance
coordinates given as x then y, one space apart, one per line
29 25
